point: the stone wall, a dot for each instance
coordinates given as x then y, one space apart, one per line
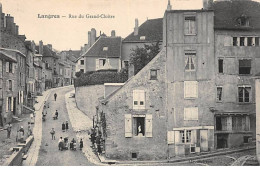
87 98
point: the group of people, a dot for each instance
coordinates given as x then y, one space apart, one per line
65 145
65 126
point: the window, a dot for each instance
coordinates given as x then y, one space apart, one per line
105 48
189 25
126 64
256 41
138 125
185 136
142 37
220 66
81 62
191 113
102 62
153 74
138 99
242 41
10 85
190 89
82 70
237 123
190 57
243 21
249 41
235 41
244 94
244 66
9 103
221 123
219 94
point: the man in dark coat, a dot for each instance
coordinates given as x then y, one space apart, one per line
55 96
63 127
67 125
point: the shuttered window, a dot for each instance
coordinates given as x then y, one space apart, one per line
190 89
245 66
191 113
138 99
170 137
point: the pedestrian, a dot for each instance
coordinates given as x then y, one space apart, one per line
67 125
60 144
81 144
52 134
55 96
9 128
98 141
57 114
63 127
22 130
29 129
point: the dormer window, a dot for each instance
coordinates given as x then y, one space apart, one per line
142 37
243 20
105 48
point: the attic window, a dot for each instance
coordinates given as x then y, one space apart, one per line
105 48
243 20
142 37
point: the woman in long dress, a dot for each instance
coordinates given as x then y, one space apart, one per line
63 127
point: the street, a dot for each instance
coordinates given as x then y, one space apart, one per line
49 155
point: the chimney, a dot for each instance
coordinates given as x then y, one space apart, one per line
2 21
49 46
207 4
14 29
113 33
41 48
17 29
169 6
89 37
136 27
131 71
93 36
9 23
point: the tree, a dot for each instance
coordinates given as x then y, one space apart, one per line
141 56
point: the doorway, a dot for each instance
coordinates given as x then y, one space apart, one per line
222 141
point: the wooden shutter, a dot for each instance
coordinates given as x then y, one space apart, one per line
194 113
170 137
186 27
177 136
12 104
21 96
128 125
6 106
192 27
136 98
7 67
228 41
7 85
13 67
149 125
193 136
97 64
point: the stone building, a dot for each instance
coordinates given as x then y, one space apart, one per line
236 61
150 32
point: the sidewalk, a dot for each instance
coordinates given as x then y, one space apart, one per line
81 124
37 133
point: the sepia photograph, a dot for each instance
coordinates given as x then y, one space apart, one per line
129 83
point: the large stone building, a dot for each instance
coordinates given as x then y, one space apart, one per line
198 91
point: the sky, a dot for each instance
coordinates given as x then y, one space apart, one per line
66 33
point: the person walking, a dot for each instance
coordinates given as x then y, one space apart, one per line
61 144
52 134
29 129
55 96
56 114
67 125
9 129
81 144
63 127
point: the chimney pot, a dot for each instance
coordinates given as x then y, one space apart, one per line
207 4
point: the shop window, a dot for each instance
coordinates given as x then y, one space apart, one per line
245 66
185 136
190 25
244 94
153 74
220 66
219 94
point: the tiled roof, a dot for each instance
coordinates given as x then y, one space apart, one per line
47 51
113 45
227 13
72 54
152 29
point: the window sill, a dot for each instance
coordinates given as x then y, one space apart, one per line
190 34
245 74
190 70
153 79
190 98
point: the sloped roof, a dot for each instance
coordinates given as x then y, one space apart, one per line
227 13
47 51
72 54
113 45
152 29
